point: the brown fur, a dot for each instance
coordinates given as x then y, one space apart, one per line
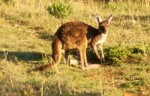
77 35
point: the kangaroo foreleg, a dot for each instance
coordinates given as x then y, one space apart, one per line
96 52
101 52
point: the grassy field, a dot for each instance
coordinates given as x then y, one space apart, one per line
27 28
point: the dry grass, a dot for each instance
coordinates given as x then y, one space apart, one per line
26 30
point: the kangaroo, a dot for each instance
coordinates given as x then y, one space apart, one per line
77 35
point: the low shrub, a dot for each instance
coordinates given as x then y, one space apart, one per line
118 54
60 10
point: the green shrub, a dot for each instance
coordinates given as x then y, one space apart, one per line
112 6
60 10
118 54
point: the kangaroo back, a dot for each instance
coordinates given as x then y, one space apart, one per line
74 34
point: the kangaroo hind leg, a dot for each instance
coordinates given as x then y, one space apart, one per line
83 57
67 52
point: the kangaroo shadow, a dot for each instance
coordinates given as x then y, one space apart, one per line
22 56
91 57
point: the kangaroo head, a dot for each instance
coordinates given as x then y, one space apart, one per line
104 25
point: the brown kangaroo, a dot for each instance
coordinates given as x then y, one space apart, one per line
77 35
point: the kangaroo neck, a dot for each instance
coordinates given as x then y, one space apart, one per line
92 32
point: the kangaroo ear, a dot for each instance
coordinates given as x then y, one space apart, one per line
109 18
99 20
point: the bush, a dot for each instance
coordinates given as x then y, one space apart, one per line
60 10
118 54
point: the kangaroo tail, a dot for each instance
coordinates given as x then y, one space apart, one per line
56 55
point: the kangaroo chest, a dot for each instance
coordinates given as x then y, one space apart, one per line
101 38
